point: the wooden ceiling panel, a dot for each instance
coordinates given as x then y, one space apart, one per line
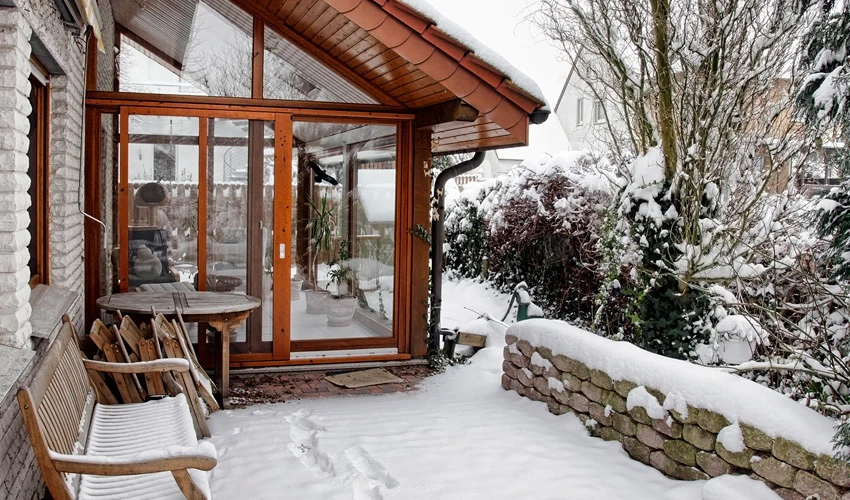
408 83
286 8
359 48
398 65
424 102
326 25
348 43
384 59
311 16
299 11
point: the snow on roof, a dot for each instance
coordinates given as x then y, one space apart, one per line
734 397
486 54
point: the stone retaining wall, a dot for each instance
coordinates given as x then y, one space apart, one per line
682 445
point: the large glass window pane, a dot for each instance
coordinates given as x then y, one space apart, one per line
344 229
163 201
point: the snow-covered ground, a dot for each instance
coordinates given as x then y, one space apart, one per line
460 435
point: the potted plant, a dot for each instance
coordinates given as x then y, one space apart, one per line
321 240
341 305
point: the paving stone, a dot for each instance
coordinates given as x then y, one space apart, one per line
810 485
713 465
793 454
623 387
650 437
775 471
680 451
834 471
699 437
711 421
756 439
601 379
742 459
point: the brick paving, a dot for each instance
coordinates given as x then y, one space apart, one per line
251 389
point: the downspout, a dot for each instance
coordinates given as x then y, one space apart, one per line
438 234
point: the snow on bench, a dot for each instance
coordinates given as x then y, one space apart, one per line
90 450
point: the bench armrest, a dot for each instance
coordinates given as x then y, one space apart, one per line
157 365
201 457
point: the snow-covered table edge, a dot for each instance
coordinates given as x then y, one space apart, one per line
688 421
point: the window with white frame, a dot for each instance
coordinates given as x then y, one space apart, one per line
580 111
598 112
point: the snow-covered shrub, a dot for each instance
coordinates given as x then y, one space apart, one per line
540 225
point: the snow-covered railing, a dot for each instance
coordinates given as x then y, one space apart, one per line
688 421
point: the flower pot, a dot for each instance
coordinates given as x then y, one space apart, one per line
316 301
340 310
296 289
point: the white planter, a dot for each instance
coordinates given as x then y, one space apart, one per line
340 310
316 301
296 289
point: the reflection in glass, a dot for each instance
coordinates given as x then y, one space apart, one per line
163 201
344 228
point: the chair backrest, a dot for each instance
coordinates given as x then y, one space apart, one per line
56 404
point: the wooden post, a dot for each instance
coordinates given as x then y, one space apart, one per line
420 199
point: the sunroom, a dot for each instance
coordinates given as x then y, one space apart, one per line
281 149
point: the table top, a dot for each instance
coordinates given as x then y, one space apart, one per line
188 303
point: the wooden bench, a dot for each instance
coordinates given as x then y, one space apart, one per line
86 449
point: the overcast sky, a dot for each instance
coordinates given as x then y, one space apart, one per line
499 25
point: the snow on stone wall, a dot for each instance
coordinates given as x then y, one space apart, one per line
19 474
667 427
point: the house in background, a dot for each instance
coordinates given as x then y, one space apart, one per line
195 157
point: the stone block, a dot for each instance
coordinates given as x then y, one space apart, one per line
786 494
562 363
601 379
534 395
592 392
668 426
609 434
711 421
542 385
712 464
636 449
793 454
680 451
519 360
525 377
537 369
580 370
638 413
623 387
571 382
562 397
756 439
810 485
649 436
597 411
672 468
742 459
525 348
545 352
699 437
583 418
510 339
506 353
835 471
615 401
509 369
691 418
506 382
556 408
517 387
551 372
623 424
774 470
578 402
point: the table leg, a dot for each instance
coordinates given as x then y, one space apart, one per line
224 361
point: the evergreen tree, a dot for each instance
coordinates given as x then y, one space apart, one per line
823 100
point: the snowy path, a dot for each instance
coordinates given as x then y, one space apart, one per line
459 436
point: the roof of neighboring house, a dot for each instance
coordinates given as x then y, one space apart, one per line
400 53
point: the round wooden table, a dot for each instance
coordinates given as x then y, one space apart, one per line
223 311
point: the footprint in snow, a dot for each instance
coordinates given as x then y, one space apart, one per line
304 445
370 469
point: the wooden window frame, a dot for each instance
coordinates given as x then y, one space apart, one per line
39 172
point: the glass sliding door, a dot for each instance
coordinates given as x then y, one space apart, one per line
344 226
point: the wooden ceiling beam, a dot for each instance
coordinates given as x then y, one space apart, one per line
279 25
452 111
